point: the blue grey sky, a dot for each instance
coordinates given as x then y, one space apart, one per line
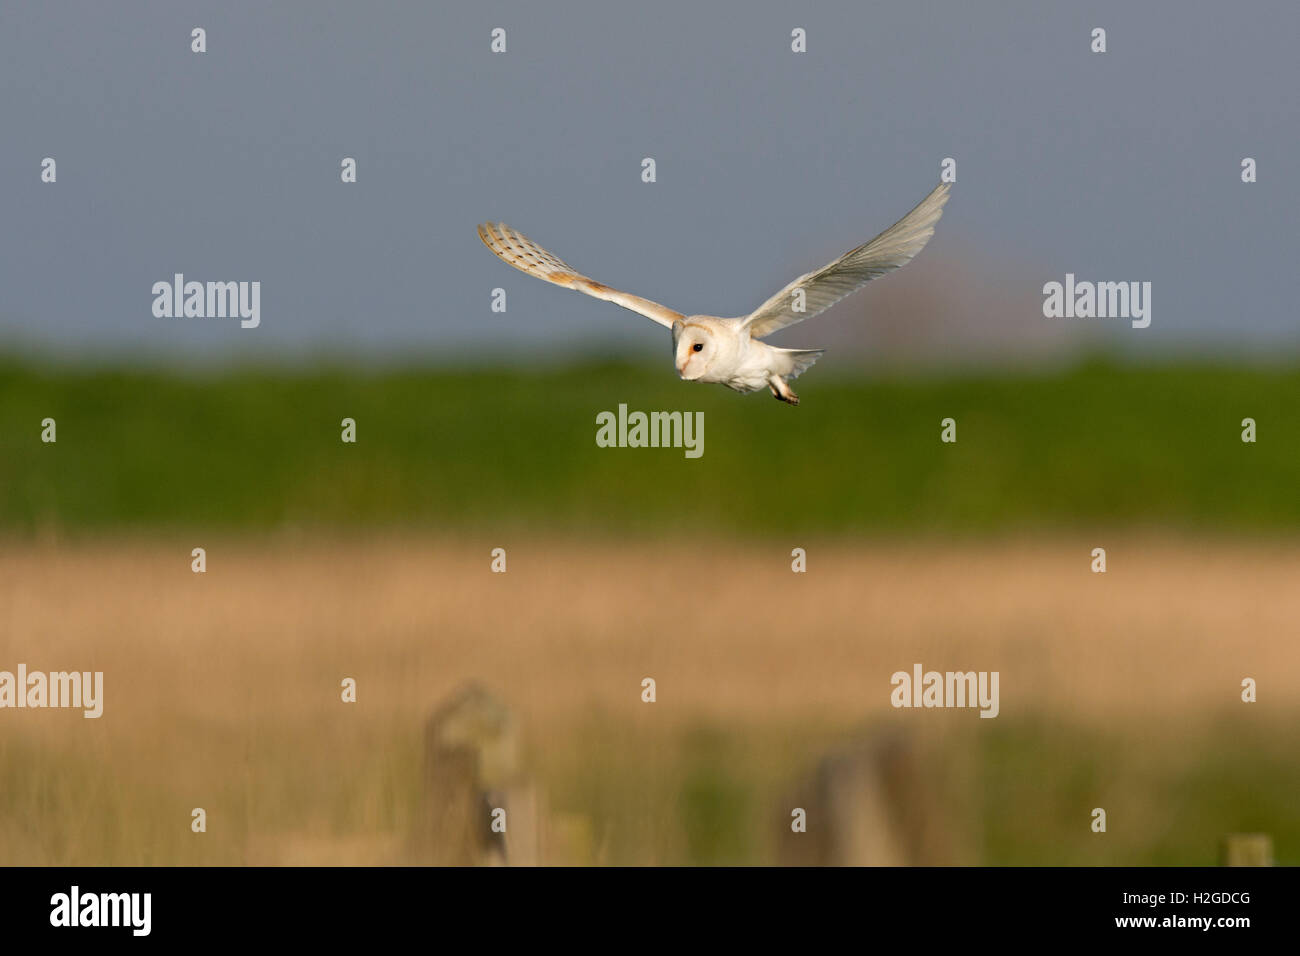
225 165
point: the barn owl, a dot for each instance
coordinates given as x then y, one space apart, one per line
729 351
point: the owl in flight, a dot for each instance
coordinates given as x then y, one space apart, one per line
707 348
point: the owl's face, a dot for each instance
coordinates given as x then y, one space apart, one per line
694 349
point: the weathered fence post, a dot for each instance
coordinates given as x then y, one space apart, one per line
866 805
1246 849
472 780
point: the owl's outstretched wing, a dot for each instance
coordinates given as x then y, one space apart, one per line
891 249
527 256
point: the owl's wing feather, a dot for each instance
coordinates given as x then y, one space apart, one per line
527 256
891 249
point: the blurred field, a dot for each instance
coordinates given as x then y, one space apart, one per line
222 690
1153 447
328 560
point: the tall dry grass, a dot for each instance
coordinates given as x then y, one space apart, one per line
223 689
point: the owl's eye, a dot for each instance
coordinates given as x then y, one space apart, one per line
698 346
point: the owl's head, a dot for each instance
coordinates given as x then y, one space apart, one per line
694 348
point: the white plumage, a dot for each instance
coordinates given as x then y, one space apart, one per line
709 348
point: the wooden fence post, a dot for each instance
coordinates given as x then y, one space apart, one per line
471 774
866 805
1246 849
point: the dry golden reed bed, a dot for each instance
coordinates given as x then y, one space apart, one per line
222 689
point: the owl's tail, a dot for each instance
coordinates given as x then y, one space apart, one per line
798 360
